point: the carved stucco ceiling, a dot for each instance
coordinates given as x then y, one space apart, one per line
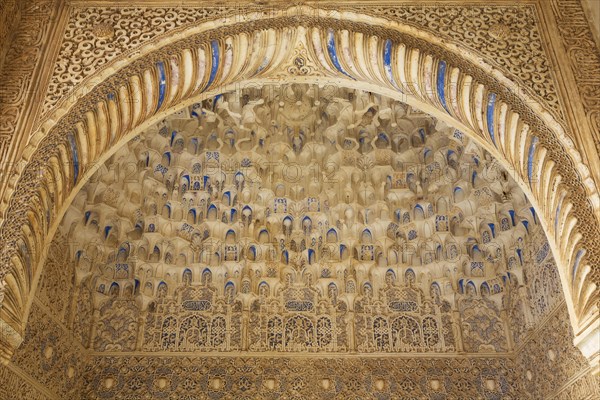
301 218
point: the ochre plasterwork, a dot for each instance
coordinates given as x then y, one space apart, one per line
508 36
297 219
567 256
54 363
10 14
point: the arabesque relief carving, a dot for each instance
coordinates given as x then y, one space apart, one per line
533 374
519 51
583 53
17 88
543 159
323 233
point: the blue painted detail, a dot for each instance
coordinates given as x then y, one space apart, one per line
580 254
534 214
484 285
75 156
162 84
425 153
542 253
490 116
458 135
215 63
493 228
107 231
263 65
387 63
391 271
441 84
216 100
111 96
512 216
422 134
311 256
333 54
230 285
526 223
534 142
473 177
471 284
519 253
196 110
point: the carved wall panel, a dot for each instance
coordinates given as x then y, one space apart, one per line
543 281
84 314
117 326
56 284
584 57
298 378
15 387
196 319
535 294
483 329
24 53
403 320
10 14
552 367
51 356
